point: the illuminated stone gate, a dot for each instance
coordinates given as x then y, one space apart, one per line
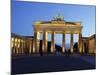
55 26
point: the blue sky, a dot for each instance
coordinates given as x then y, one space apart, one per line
24 14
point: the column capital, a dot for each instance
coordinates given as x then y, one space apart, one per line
71 33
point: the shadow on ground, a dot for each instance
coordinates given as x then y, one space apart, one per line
50 63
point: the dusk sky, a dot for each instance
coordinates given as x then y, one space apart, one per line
24 14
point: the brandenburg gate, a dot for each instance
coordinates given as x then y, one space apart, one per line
55 26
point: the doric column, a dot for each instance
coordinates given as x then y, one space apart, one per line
63 43
52 42
71 43
44 41
83 47
17 46
36 41
19 42
22 47
27 49
80 43
30 48
13 46
33 49
31 45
